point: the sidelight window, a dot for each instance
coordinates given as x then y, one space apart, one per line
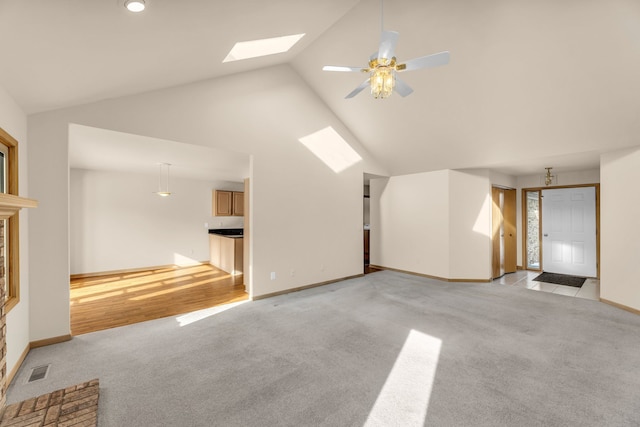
532 218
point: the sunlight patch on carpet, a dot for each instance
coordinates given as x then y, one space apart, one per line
404 398
189 318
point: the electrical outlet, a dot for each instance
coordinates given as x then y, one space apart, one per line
293 273
206 225
273 275
321 267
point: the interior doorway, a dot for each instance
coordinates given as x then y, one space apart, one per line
503 214
369 230
366 232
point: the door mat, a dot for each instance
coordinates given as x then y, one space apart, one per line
561 279
72 406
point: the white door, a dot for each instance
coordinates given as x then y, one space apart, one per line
569 231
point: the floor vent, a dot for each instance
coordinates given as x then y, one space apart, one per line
38 373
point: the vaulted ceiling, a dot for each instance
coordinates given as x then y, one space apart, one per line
530 83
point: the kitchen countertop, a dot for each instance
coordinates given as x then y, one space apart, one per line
232 233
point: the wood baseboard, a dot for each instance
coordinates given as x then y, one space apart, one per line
130 271
15 369
49 341
620 306
428 276
302 288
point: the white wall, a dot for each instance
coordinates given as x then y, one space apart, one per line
410 223
502 180
470 225
434 223
49 230
306 219
14 122
117 222
589 176
620 230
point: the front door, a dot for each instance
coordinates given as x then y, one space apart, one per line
569 231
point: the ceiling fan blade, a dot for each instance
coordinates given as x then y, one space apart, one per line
358 89
402 88
388 42
433 60
341 68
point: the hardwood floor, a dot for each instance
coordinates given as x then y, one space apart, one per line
371 269
104 302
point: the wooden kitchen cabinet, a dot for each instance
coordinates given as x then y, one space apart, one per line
222 203
228 203
238 203
215 243
226 253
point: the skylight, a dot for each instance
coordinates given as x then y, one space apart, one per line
262 47
331 148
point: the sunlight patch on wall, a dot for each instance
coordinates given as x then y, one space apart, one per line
195 316
332 149
183 261
483 221
404 398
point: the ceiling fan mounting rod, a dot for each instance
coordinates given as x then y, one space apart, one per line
381 16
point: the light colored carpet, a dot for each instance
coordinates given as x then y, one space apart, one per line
385 349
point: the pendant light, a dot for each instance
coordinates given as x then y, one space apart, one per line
548 178
163 180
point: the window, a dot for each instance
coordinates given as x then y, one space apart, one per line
9 228
4 224
532 232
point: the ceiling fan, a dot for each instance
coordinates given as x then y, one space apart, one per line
383 67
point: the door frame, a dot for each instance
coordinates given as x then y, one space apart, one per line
504 257
524 221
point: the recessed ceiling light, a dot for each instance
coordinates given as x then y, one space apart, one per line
134 5
262 47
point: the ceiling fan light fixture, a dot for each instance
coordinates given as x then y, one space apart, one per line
134 5
382 82
382 70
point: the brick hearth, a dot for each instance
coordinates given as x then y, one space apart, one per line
72 406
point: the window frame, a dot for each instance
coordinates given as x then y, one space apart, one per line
12 252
